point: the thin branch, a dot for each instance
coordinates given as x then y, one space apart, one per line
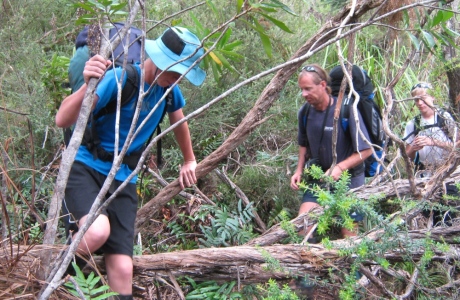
242 196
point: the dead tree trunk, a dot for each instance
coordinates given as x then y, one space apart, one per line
249 264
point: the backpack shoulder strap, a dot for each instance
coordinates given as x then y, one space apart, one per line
130 88
364 76
416 128
169 100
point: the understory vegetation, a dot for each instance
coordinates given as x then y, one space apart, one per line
248 192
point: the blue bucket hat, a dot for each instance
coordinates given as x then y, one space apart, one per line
175 44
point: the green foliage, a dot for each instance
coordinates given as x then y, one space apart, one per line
273 291
208 145
54 74
88 286
278 212
273 264
227 228
213 291
337 202
287 226
177 230
434 33
98 9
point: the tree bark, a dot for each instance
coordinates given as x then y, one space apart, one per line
256 264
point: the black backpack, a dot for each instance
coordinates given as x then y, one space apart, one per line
369 109
131 87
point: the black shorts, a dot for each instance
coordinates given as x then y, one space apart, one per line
82 189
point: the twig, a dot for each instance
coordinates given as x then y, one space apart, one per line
176 286
242 196
307 236
376 281
183 194
77 287
205 198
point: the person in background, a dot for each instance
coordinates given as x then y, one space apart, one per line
430 137
113 230
315 126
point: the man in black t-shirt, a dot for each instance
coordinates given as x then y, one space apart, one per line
315 139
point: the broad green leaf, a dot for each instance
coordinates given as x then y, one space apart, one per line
437 19
447 14
118 7
223 61
414 40
105 296
100 290
239 5
191 281
85 19
428 39
278 23
90 277
232 45
207 289
197 23
93 282
230 287
276 3
263 36
85 7
78 272
224 38
103 2
451 32
440 38
406 19
266 43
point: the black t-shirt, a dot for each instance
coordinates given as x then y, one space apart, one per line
311 129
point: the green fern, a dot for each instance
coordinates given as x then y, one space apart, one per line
277 213
88 286
273 291
290 229
212 290
228 228
176 230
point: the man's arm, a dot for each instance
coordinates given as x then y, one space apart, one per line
70 107
352 161
296 178
187 175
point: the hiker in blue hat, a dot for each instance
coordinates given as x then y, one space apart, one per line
175 53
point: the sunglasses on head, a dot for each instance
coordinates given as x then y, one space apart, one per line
312 69
421 85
